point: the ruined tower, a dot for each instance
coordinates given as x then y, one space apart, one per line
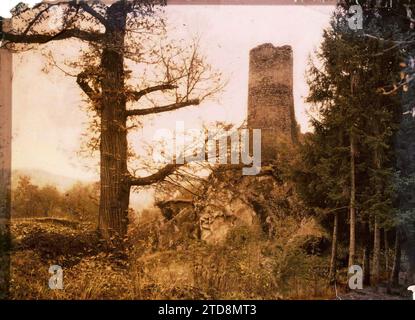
270 96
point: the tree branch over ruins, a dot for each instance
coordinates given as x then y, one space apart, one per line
170 107
27 23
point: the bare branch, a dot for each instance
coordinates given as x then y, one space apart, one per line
44 38
87 8
175 184
156 177
38 17
136 95
82 81
170 107
403 84
395 42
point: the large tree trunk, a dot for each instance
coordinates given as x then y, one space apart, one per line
352 240
376 252
376 227
332 273
115 188
387 267
396 260
385 234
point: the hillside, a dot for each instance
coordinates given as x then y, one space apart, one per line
42 178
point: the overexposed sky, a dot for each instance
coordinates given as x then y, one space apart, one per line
47 117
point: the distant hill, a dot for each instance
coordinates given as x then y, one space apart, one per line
42 178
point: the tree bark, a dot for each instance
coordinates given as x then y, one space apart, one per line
352 240
376 252
115 187
386 241
332 273
396 260
366 255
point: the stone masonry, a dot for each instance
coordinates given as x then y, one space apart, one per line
270 96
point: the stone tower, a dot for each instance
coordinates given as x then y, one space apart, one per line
270 96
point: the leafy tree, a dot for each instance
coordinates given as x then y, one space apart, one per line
25 198
82 202
121 37
49 199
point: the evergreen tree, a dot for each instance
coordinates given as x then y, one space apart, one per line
350 155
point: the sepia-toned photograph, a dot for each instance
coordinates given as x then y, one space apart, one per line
207 150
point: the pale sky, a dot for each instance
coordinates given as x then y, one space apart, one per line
47 116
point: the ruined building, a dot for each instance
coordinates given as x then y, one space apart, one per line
270 96
231 199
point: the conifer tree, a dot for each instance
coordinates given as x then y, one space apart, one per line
356 119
